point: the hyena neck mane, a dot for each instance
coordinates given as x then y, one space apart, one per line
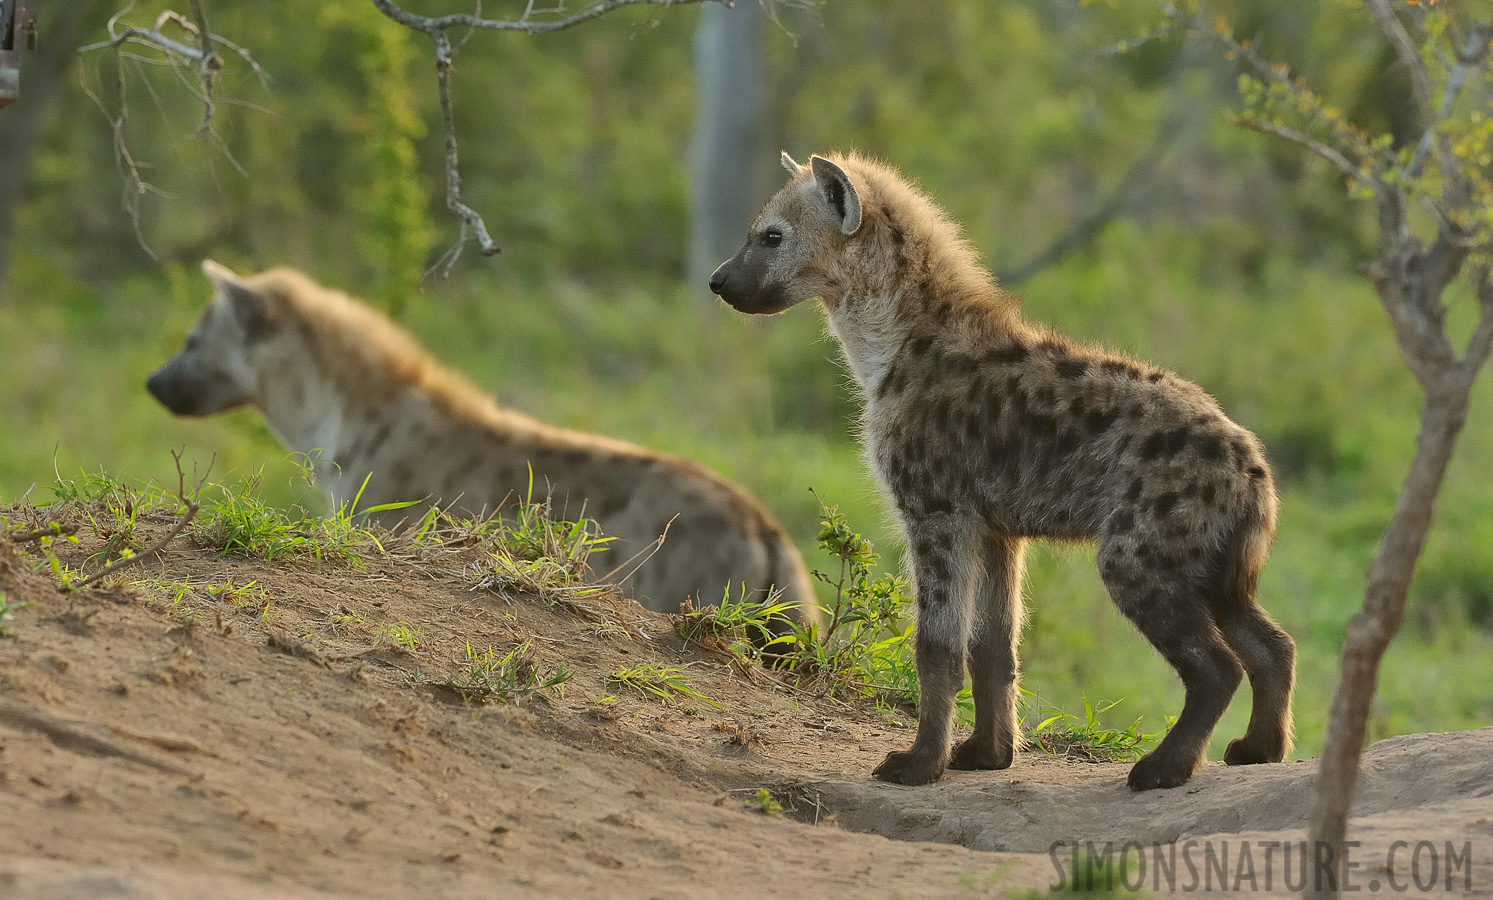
907 272
354 372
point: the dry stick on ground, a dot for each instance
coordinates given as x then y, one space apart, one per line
437 28
53 529
1410 279
190 505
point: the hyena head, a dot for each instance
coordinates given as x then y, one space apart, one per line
792 251
218 367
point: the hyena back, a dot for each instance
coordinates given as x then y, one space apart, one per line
339 382
987 431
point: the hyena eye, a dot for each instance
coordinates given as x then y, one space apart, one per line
772 237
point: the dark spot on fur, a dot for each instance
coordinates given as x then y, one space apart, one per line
1136 488
1011 355
1052 347
1210 446
920 345
897 236
1072 368
1098 421
1122 522
1164 502
1164 443
1208 493
1256 472
1121 368
1155 377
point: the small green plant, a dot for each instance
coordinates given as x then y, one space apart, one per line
512 678
1059 733
660 682
7 609
741 626
402 634
864 646
762 801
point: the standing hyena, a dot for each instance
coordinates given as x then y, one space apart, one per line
339 382
986 431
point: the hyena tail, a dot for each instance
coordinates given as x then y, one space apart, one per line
1267 652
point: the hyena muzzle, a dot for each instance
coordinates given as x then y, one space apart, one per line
987 431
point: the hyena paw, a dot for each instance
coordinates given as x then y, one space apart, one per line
1248 751
910 767
1153 772
976 754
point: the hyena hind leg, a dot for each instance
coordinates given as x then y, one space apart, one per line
992 658
1269 658
1175 618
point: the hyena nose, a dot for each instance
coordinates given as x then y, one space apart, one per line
718 280
156 384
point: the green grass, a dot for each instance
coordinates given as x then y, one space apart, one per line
512 678
656 681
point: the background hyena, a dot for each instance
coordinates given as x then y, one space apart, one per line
986 431
339 382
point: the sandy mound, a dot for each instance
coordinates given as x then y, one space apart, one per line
272 740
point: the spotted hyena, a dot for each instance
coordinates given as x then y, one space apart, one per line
986 430
338 381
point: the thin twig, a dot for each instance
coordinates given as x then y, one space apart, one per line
191 505
1404 45
1295 136
207 68
53 529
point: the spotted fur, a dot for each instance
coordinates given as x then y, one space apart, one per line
339 382
986 431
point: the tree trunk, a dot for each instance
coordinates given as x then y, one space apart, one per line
60 27
1370 630
727 147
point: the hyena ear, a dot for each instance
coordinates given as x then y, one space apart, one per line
251 309
839 193
789 164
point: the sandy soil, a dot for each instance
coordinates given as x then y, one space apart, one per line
213 748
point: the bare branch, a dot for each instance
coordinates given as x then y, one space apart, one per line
1343 164
1404 45
207 68
52 529
533 22
527 23
202 61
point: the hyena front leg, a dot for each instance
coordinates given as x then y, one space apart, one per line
992 658
945 567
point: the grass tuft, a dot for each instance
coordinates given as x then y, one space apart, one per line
513 678
668 684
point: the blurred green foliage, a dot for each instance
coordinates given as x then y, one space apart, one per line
1234 266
